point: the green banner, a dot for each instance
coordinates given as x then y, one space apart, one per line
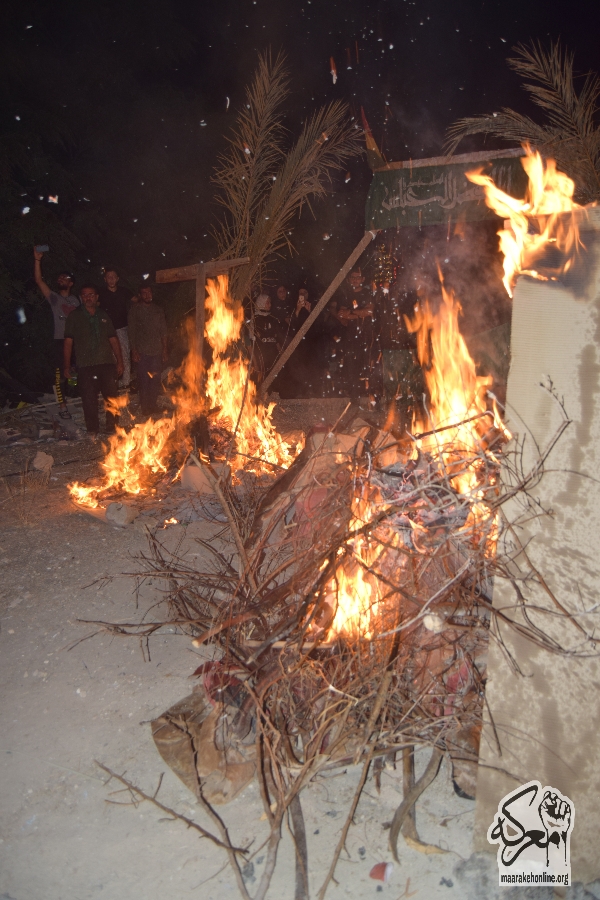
432 192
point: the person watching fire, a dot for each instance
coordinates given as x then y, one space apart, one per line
90 332
62 303
148 341
267 335
116 300
281 304
354 311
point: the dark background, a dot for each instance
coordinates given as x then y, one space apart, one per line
120 109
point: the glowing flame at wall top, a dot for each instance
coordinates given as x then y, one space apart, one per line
548 197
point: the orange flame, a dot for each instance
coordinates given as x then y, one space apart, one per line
549 195
460 420
229 387
353 594
144 451
458 401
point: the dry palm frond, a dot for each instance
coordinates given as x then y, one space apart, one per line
263 184
569 133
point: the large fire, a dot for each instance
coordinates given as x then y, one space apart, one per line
454 435
454 432
535 221
135 456
458 413
229 387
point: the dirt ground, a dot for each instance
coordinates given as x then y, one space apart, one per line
68 701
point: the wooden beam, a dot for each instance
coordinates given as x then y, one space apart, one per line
199 273
200 297
191 273
281 361
185 273
222 266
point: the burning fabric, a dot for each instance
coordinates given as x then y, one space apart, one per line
536 221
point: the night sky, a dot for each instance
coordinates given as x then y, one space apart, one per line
119 109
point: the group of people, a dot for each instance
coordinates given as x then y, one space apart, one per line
359 345
101 333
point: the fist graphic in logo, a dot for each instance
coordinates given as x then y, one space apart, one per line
555 814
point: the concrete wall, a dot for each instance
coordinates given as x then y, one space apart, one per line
548 719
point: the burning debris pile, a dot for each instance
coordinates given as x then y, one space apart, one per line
357 619
364 587
241 429
354 621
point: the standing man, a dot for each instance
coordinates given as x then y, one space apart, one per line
267 335
90 332
402 375
115 299
305 371
61 303
148 340
280 307
354 312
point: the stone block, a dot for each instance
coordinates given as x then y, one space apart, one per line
42 462
195 480
120 514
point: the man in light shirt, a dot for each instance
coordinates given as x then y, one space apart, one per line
62 302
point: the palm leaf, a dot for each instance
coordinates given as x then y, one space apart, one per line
263 184
568 132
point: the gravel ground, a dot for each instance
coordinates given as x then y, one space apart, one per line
68 702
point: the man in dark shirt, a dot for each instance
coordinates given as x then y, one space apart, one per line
307 368
90 332
267 335
353 310
148 341
402 376
62 302
281 304
115 299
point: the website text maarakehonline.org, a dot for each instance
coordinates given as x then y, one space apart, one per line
530 878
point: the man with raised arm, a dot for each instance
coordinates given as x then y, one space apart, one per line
62 303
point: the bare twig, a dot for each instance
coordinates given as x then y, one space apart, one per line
412 796
151 798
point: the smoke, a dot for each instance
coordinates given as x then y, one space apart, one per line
470 263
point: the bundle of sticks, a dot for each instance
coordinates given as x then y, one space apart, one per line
354 618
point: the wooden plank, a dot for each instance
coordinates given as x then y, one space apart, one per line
222 266
478 156
190 273
184 273
281 361
200 309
